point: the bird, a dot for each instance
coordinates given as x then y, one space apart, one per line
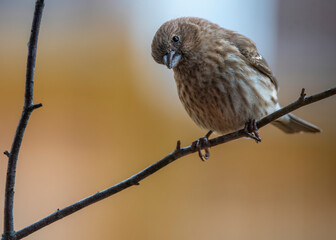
222 81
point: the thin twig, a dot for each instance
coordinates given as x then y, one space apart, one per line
302 101
302 94
176 154
178 145
27 110
6 153
35 106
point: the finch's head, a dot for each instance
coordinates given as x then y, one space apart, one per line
175 42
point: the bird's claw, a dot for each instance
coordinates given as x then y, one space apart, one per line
251 130
200 143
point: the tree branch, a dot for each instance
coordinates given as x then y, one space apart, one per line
176 154
27 110
29 107
302 101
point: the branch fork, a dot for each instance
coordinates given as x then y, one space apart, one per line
29 107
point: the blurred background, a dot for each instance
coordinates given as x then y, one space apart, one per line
109 111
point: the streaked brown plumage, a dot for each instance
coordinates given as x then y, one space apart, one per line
222 80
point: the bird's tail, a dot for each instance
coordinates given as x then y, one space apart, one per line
292 124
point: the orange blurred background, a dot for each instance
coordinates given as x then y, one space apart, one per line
109 111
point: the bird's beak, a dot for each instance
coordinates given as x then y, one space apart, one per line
171 59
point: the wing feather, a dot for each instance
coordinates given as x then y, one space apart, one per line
249 50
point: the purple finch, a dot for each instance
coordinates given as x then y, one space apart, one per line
222 80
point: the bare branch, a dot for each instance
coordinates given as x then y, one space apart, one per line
29 107
176 154
27 110
302 101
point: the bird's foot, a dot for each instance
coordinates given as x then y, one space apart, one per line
251 130
202 142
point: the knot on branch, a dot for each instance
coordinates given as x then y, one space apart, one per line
136 183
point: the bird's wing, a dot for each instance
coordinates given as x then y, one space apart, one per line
248 49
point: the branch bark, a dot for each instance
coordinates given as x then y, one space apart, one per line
27 110
176 154
29 107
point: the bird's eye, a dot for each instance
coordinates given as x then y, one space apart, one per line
175 39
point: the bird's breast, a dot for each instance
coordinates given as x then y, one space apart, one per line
223 94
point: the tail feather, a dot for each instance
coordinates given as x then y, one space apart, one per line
292 124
